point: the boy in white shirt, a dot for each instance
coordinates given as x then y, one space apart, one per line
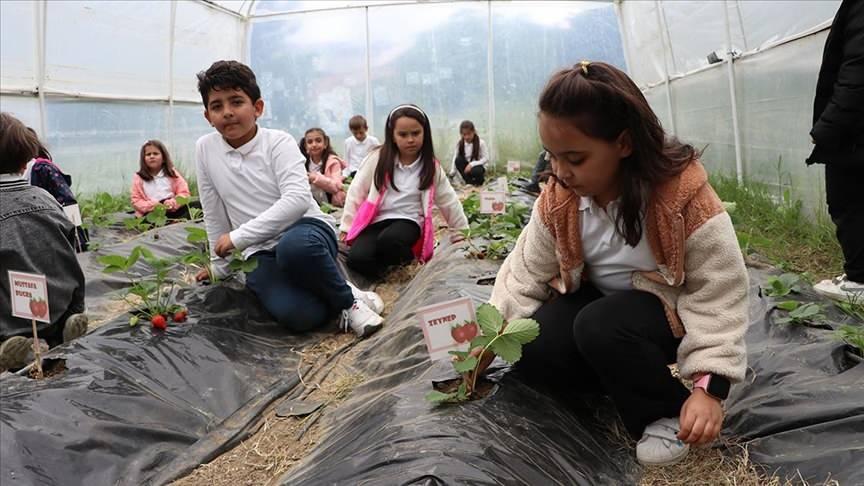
358 145
256 199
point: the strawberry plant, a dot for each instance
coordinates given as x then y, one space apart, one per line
154 219
497 338
800 314
783 285
853 336
95 210
148 296
853 306
492 236
194 213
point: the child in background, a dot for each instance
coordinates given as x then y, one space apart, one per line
388 214
629 263
324 168
158 182
37 238
255 192
467 158
358 145
43 172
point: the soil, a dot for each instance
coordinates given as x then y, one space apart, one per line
483 388
50 367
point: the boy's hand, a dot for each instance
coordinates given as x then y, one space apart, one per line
224 245
202 275
701 418
342 235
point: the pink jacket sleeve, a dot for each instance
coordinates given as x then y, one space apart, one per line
331 179
140 201
179 185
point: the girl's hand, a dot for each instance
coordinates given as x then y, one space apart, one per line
468 169
171 204
224 245
701 418
342 235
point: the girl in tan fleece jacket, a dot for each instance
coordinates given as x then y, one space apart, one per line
629 263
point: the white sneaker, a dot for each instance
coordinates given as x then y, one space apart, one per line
659 445
361 319
840 288
370 298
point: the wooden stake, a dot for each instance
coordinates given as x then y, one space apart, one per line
37 353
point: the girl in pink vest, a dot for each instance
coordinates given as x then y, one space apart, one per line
388 212
158 182
324 168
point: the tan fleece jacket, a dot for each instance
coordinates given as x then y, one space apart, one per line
701 278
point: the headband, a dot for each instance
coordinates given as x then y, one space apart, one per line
413 107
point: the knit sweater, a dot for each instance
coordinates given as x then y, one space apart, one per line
701 279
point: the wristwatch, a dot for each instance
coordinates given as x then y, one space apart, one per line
715 385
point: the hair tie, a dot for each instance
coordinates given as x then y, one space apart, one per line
413 107
584 66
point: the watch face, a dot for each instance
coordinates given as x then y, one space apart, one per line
718 386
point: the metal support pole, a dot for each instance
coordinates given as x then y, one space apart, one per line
171 36
664 38
730 71
41 39
490 92
370 106
625 43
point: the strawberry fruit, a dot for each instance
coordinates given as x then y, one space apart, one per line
159 321
180 315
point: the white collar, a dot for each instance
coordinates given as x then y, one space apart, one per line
587 202
414 165
247 147
12 177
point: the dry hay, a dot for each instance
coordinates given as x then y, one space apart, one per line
280 443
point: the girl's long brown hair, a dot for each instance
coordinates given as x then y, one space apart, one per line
325 154
603 102
167 164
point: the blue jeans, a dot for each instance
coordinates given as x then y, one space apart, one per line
299 283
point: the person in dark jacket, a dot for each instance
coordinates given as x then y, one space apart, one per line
838 136
37 237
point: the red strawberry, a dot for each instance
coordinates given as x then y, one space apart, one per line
470 330
159 321
38 307
180 315
458 333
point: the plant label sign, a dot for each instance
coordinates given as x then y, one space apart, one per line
501 183
493 202
448 326
73 212
29 296
514 166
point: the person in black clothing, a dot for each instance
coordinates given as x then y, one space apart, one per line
838 135
539 174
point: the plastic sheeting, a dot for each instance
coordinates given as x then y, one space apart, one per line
801 411
801 407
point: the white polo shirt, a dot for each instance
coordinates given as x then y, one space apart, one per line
407 203
356 151
609 260
254 192
159 187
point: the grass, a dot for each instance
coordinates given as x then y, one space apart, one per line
780 230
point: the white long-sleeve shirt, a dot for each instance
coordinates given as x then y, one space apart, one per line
254 192
356 151
469 149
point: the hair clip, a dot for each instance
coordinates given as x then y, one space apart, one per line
584 66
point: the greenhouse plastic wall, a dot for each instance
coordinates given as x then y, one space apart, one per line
312 65
98 78
780 47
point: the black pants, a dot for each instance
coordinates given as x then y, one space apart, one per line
618 344
383 245
475 176
538 175
843 187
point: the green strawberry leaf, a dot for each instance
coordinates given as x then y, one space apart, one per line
481 341
489 320
522 330
465 365
788 305
113 261
508 348
459 354
435 396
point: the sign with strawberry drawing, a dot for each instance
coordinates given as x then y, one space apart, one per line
448 326
493 202
29 296
514 166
